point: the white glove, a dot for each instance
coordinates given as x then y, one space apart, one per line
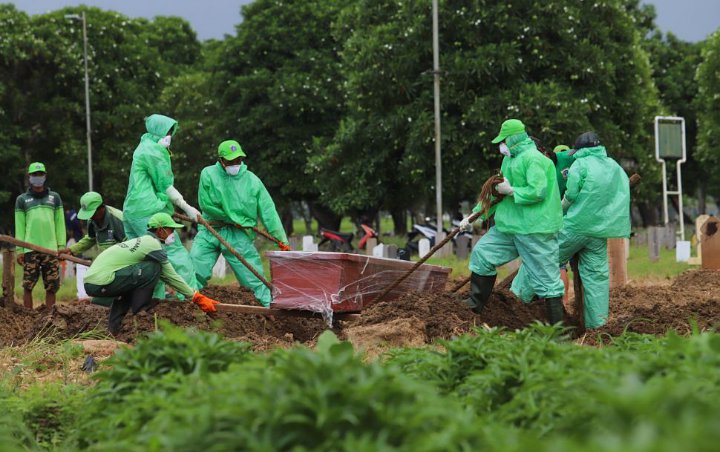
504 187
180 202
190 210
465 224
565 204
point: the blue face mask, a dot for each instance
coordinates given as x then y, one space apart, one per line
232 170
37 181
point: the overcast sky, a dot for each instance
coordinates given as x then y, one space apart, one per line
690 20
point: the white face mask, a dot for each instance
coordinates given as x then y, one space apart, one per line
165 141
232 170
37 181
169 240
504 150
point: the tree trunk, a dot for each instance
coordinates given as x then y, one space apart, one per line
399 217
702 207
686 218
325 217
286 216
649 213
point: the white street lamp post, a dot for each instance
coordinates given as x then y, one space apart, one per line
87 95
438 161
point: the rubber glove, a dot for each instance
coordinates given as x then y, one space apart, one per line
565 204
284 247
207 304
179 201
504 187
465 224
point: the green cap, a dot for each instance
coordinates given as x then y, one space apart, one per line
560 148
508 128
36 167
230 150
89 202
162 220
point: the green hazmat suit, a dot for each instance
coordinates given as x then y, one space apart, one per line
150 176
527 222
565 159
598 191
227 202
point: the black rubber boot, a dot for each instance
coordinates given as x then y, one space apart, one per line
555 310
480 289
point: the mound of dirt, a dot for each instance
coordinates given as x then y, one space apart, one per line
704 281
413 319
694 296
16 323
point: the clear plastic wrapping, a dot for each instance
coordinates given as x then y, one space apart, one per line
341 282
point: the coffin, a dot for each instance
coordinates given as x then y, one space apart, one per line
341 282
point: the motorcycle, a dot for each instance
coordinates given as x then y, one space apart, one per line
428 230
341 242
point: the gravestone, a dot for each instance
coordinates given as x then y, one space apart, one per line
711 244
462 247
654 234
308 244
423 247
378 251
392 251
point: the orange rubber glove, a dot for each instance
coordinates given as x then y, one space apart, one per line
207 304
284 247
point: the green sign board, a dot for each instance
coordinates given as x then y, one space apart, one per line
670 144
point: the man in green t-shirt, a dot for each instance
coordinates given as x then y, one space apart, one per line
128 272
40 220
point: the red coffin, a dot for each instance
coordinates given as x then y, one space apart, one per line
341 282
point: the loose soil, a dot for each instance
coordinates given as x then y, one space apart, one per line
411 320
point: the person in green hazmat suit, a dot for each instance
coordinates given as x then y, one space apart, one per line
127 272
526 223
597 206
232 198
151 190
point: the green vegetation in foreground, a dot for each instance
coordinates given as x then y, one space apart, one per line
527 390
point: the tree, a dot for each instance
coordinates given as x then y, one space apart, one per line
708 115
562 67
42 95
674 63
278 85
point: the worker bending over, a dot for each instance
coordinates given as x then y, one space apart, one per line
597 206
105 225
129 271
232 198
526 223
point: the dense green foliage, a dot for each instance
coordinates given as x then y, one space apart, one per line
333 101
708 79
494 390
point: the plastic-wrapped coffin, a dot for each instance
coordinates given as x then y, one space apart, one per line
341 282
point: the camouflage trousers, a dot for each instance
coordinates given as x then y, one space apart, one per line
37 264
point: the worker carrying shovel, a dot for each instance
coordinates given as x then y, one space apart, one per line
597 206
526 223
151 190
129 271
232 198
